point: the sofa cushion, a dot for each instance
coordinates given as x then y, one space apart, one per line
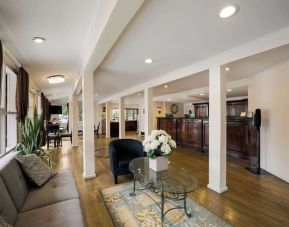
14 179
64 214
35 168
59 188
3 222
7 208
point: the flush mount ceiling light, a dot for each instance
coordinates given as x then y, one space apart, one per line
56 79
227 69
166 86
229 10
38 39
148 61
202 94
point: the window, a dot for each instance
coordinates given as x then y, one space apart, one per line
115 114
8 116
131 114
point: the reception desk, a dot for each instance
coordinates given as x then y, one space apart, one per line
194 132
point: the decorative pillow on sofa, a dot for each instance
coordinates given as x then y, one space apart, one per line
35 168
3 223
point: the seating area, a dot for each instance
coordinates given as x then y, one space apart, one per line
150 113
24 204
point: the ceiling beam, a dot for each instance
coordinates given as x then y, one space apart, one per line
262 44
111 19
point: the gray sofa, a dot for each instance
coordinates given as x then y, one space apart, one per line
56 203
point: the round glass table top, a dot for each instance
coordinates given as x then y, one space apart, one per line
174 180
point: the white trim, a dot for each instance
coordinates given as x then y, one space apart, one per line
87 177
218 190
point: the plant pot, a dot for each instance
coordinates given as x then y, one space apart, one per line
158 164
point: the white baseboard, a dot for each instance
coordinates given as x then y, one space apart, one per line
87 177
217 189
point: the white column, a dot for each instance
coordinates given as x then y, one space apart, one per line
88 126
108 118
217 130
121 104
148 106
73 123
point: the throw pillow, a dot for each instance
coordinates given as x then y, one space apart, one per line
35 168
3 223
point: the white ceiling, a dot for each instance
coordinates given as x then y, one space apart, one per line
173 33
178 33
63 23
188 89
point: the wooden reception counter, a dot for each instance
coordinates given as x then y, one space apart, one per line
194 132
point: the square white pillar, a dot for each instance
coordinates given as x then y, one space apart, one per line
88 126
73 119
121 118
149 112
108 118
217 130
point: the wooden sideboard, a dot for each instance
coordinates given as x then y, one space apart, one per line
241 134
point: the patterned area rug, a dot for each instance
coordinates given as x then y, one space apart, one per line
140 210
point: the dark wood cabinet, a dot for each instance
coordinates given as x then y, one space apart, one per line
168 125
241 134
114 129
201 110
189 132
235 108
205 134
130 125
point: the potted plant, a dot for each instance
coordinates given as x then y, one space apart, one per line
158 146
31 137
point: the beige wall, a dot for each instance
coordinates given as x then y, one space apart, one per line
159 111
269 91
180 112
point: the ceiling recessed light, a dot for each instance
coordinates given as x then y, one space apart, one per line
202 94
227 69
139 94
38 39
166 86
229 10
169 99
96 94
229 89
148 61
56 79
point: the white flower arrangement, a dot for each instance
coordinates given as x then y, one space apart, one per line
159 143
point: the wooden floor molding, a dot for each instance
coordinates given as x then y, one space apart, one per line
252 200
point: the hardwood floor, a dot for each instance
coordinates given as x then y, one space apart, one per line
252 200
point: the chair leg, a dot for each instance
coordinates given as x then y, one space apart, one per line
115 179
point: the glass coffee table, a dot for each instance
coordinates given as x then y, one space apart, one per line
172 184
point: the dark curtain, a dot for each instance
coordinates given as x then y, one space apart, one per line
1 64
45 105
22 99
68 117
